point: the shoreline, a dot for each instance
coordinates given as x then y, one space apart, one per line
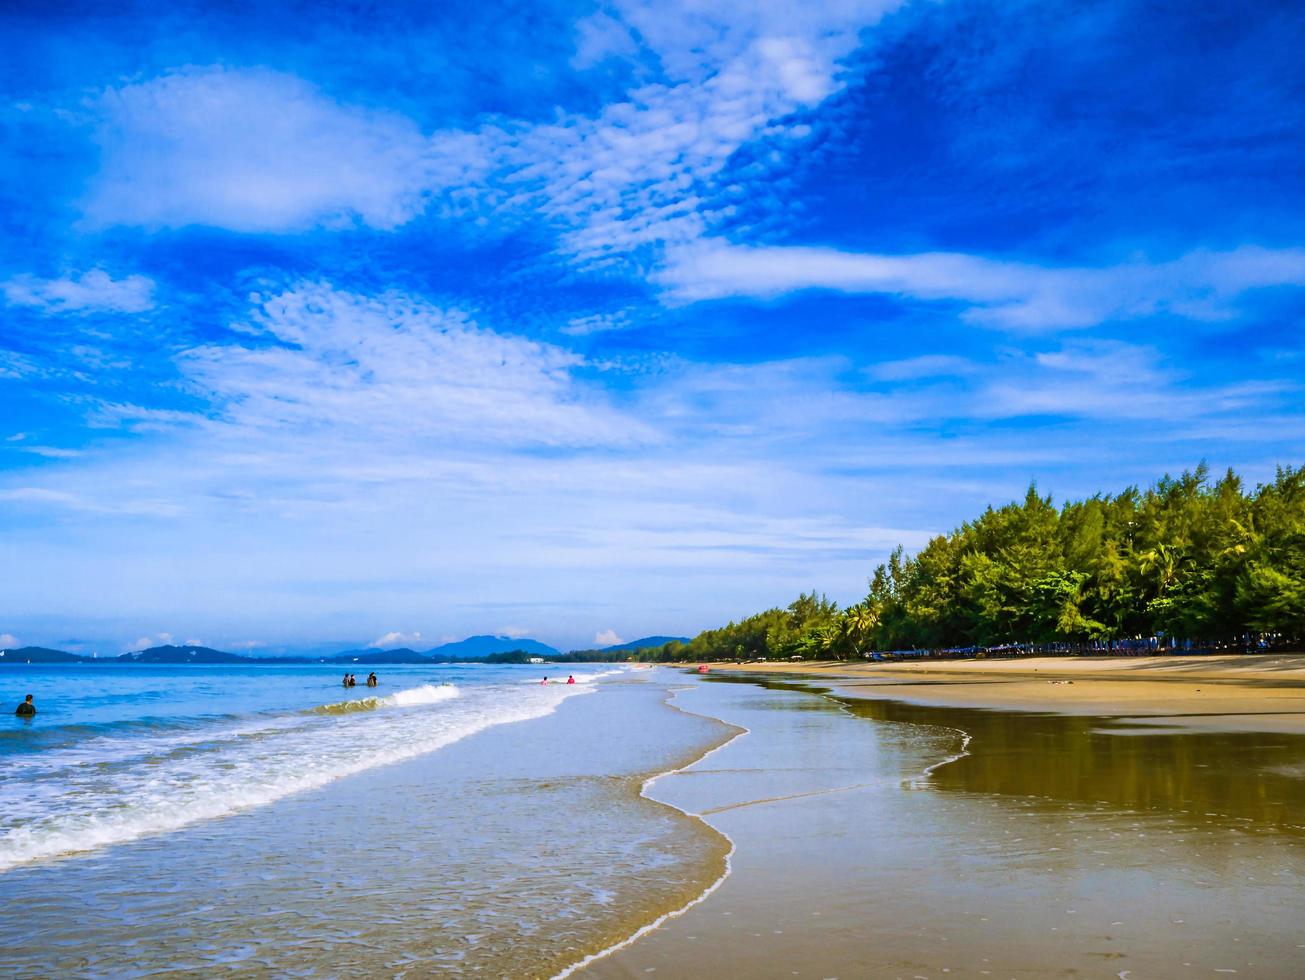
736 732
1026 832
1249 693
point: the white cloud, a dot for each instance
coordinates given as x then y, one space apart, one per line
400 373
257 151
51 452
339 446
396 639
92 502
607 638
600 36
92 292
514 632
146 642
8 640
636 175
1112 381
1021 296
924 366
597 323
261 151
14 366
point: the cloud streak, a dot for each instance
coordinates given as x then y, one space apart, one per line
1201 285
92 292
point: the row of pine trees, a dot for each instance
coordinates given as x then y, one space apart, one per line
1187 561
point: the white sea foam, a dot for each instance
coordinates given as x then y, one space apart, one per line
425 694
590 678
115 800
560 677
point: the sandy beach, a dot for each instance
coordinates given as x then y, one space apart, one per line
1209 693
983 820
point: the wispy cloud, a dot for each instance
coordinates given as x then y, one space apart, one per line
14 365
1112 380
597 323
51 452
92 503
923 366
391 369
1011 295
92 292
255 150
261 151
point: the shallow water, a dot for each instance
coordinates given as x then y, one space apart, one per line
497 831
120 752
1046 847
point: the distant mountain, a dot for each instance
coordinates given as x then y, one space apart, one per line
470 650
483 646
646 642
371 655
182 655
39 655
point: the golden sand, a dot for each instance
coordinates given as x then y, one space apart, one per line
1263 693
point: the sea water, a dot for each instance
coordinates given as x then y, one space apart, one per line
460 819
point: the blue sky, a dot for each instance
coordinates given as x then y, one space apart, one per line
350 324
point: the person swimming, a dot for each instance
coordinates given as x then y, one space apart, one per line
545 680
26 709
570 678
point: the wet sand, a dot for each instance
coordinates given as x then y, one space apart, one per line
885 838
1215 693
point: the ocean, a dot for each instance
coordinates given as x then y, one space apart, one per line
465 819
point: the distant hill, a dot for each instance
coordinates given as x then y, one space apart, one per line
402 655
647 642
39 655
182 655
483 646
490 649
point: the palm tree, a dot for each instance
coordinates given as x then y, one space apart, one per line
855 628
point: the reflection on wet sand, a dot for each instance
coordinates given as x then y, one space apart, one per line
1234 775
1054 847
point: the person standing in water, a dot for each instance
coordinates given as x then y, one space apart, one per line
372 679
570 678
26 709
545 680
